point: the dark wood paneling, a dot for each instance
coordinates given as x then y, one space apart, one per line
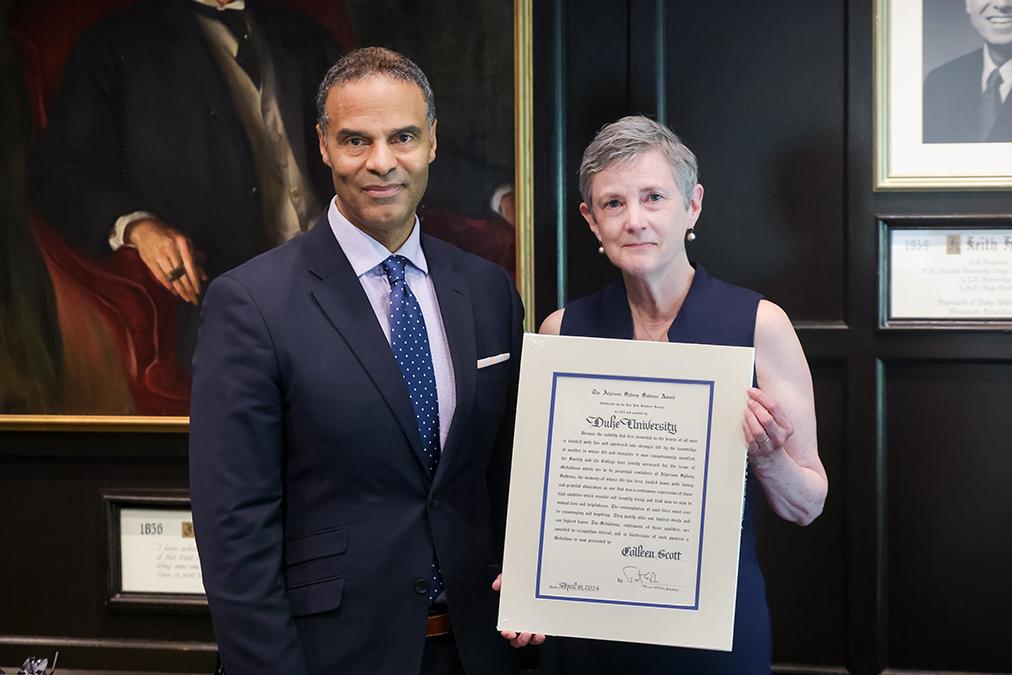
55 565
757 91
805 568
597 91
949 507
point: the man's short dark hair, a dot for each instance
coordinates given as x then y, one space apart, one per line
369 62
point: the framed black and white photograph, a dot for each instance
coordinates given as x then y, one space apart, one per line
946 272
943 72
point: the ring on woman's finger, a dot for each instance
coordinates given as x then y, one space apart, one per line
763 441
176 273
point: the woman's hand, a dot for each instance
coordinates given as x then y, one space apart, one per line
517 639
765 425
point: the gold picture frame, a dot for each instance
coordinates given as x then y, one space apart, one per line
915 147
524 250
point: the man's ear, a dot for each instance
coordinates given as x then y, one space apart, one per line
432 148
588 215
324 154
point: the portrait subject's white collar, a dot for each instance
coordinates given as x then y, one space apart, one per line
1005 70
235 4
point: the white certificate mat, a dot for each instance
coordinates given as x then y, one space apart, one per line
626 491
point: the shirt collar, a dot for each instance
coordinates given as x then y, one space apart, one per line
235 4
990 66
365 253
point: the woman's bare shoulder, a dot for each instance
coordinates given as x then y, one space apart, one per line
552 325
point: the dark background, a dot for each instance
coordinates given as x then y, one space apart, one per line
465 48
907 568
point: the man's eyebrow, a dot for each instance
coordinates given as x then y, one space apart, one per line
411 129
345 133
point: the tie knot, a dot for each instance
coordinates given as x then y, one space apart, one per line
994 80
394 268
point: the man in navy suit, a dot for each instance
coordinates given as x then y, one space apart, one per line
352 414
966 99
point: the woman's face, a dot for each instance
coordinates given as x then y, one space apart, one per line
640 216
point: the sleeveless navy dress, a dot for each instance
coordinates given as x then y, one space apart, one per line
716 313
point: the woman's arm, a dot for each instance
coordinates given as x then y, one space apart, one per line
779 421
552 325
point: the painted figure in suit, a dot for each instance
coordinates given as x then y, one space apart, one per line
352 417
966 100
184 128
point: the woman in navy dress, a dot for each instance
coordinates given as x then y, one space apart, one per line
641 200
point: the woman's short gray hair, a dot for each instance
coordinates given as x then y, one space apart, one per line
373 62
630 137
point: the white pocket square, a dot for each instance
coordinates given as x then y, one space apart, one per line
492 360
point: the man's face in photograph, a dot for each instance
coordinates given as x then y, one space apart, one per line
992 19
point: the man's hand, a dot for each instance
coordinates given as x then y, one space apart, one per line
517 639
169 255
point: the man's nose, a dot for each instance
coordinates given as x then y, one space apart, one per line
381 160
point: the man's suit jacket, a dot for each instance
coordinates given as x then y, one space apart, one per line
952 100
144 122
315 515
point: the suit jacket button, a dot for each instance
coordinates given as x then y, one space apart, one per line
433 503
421 587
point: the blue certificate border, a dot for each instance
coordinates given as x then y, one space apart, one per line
548 462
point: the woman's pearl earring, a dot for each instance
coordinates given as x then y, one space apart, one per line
600 250
691 235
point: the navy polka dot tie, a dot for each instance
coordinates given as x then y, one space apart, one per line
410 343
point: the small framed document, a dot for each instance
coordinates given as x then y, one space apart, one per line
152 551
626 492
946 272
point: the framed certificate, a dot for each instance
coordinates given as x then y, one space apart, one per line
152 559
946 272
627 491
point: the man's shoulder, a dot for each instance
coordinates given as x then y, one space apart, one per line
965 68
272 268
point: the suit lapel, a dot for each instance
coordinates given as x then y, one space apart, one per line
454 298
342 299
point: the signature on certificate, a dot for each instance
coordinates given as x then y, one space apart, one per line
633 574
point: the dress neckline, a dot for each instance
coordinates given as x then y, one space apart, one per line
617 301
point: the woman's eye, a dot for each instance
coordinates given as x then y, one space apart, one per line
655 197
612 204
